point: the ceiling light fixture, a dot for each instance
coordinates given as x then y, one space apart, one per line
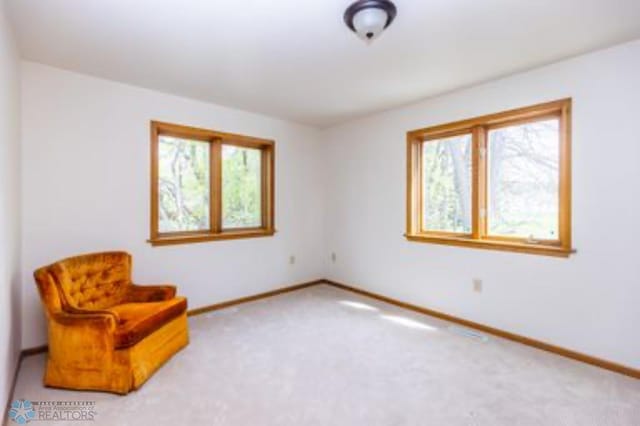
368 18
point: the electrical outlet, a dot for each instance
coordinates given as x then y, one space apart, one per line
333 257
292 260
477 285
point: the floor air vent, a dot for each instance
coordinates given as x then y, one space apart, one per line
467 332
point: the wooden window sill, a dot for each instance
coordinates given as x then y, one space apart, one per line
167 240
518 247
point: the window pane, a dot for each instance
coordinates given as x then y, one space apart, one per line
183 184
241 187
447 184
523 178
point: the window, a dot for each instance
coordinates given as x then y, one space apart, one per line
501 181
208 185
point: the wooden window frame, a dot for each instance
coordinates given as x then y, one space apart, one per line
216 140
479 127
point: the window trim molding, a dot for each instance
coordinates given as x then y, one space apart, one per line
478 127
215 140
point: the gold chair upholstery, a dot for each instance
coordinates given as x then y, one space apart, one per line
106 333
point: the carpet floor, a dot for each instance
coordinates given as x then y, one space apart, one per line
324 356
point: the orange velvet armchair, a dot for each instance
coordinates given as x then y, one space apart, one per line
106 333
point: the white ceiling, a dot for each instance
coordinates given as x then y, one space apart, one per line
296 59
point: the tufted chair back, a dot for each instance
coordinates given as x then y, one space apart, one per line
92 281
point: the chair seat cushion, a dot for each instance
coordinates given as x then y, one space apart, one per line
138 320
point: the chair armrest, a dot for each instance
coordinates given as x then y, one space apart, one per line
91 313
104 320
150 293
86 339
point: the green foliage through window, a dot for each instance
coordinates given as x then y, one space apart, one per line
447 184
241 187
183 187
523 179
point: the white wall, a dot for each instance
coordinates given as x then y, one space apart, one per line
10 289
86 188
589 302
